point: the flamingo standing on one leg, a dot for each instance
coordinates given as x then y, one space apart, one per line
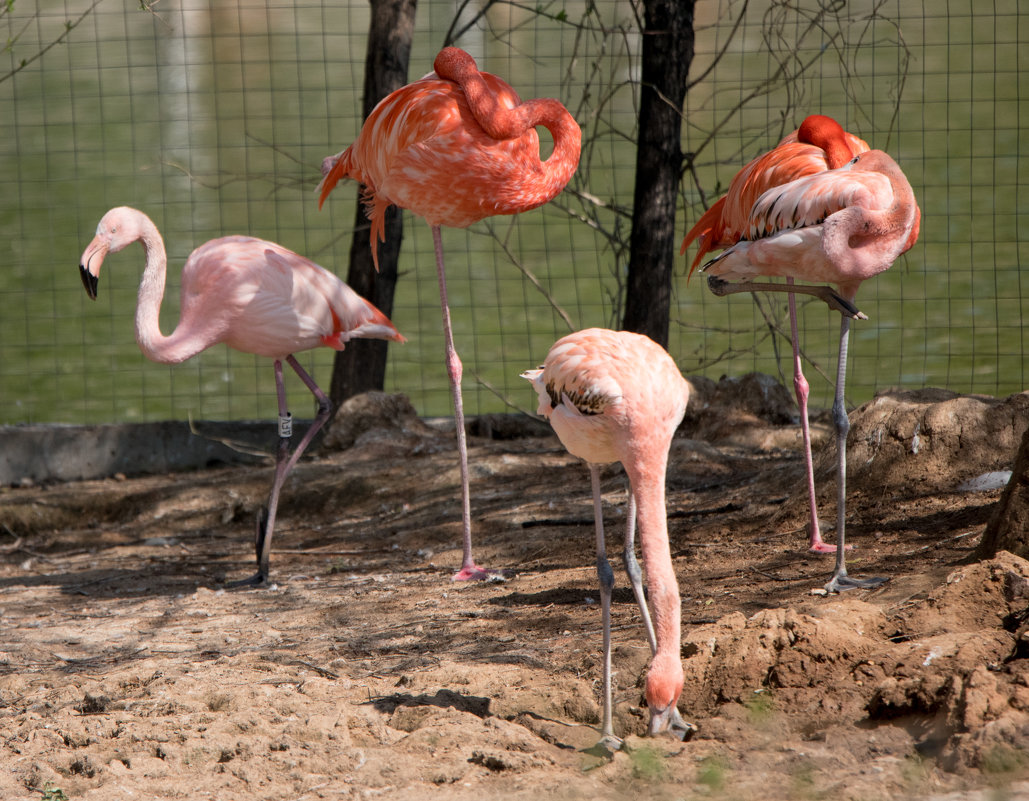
256 297
616 396
456 147
819 144
842 224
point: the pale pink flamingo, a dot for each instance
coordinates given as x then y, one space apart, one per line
456 147
616 396
846 217
255 296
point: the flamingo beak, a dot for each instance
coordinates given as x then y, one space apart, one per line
89 266
669 722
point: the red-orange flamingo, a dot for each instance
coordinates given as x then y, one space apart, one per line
616 396
255 296
456 147
847 216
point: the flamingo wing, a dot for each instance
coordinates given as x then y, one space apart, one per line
826 227
263 298
325 307
811 200
727 221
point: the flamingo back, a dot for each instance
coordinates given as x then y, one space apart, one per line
606 393
727 220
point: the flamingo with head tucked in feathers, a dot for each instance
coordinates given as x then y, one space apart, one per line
617 396
256 297
456 147
819 207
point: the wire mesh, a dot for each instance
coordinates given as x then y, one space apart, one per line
214 118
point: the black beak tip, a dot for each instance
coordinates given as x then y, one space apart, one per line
89 281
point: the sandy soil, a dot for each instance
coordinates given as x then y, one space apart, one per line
128 671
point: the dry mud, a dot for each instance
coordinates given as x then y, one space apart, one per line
127 670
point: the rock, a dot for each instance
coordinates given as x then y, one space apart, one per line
391 415
930 440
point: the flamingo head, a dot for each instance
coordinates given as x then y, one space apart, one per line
118 228
664 686
535 377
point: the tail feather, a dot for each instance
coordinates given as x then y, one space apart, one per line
377 325
333 168
707 231
364 322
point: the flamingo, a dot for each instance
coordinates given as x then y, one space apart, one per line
819 144
256 297
617 396
845 216
456 147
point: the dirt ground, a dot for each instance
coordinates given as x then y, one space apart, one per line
128 671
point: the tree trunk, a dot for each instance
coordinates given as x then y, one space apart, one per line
362 365
1008 529
666 57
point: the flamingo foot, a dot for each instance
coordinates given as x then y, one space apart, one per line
606 747
841 582
824 547
260 578
818 545
473 572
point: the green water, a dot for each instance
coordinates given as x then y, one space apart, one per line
214 119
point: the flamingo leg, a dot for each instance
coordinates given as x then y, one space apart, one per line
800 384
840 581
469 570
284 463
721 287
606 575
802 389
632 567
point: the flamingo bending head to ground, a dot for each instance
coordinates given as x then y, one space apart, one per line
456 147
616 396
256 297
846 215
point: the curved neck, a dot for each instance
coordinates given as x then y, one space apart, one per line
501 122
155 345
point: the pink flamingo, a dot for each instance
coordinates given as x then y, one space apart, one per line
841 220
256 297
616 396
456 147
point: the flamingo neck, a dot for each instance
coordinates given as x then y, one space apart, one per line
552 115
867 241
665 677
155 345
501 122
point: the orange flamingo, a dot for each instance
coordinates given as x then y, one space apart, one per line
456 147
616 396
256 297
846 215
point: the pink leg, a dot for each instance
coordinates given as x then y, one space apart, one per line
801 387
283 465
469 570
